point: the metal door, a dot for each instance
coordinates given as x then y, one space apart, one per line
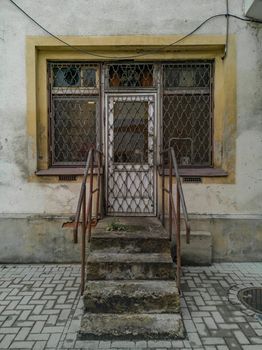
130 145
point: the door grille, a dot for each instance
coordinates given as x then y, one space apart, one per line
130 185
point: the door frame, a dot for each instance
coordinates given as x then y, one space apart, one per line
154 94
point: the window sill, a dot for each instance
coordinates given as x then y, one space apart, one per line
197 172
65 171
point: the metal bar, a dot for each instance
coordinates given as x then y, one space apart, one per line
80 200
180 189
98 185
178 264
163 193
183 205
170 195
189 91
90 201
83 250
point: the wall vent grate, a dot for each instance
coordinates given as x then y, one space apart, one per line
192 179
67 177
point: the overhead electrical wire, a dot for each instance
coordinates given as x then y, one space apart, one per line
141 54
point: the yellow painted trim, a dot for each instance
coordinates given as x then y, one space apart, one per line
111 43
41 49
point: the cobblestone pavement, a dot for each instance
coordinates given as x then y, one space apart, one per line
40 308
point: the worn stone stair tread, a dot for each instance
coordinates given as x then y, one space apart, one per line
148 258
131 326
156 235
149 296
146 227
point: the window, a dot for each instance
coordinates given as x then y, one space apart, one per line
73 111
218 165
187 111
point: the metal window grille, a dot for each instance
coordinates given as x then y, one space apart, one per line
187 111
132 75
73 111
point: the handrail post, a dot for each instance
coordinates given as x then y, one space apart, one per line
75 235
178 235
98 185
169 196
91 196
83 250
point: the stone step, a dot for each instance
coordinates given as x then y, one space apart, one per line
131 296
116 266
131 326
129 243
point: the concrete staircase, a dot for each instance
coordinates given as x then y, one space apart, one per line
131 290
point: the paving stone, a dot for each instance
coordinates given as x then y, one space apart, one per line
53 340
22 334
159 344
194 339
39 345
213 341
241 338
104 344
22 345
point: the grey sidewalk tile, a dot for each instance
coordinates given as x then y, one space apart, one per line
39 345
22 345
213 341
241 338
177 344
121 344
194 339
104 344
38 337
22 334
256 340
6 341
53 340
159 344
88 344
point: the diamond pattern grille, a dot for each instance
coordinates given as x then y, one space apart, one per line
74 106
187 112
130 155
131 75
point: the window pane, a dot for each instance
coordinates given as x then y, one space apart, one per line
74 128
74 75
66 76
131 132
185 75
131 75
89 77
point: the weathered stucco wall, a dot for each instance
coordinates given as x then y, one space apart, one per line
125 17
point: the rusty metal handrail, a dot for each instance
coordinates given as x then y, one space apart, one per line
86 204
175 210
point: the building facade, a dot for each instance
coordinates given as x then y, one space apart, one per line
131 78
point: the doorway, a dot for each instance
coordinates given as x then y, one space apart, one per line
130 153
